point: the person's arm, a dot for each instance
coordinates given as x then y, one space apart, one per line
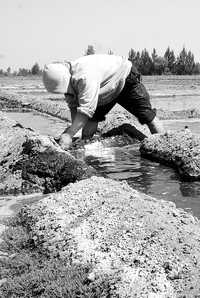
78 121
73 112
87 91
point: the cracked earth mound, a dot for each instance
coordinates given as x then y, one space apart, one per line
33 163
180 150
143 247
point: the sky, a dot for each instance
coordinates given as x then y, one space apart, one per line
47 30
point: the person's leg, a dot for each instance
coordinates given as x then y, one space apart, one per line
135 99
155 126
91 126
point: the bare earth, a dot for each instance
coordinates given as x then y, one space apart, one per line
141 246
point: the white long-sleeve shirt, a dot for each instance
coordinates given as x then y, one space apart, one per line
95 81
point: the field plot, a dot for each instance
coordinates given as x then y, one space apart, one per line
158 86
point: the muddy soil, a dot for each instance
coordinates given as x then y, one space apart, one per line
33 163
180 150
140 246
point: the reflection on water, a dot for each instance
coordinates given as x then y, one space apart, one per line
149 177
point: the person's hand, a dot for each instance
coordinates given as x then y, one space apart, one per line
65 141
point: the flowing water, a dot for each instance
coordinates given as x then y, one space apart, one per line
125 163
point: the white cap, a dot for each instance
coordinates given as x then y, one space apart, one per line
56 77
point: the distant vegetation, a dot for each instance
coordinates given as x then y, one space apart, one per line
146 63
153 64
35 70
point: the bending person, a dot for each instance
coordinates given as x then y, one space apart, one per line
92 85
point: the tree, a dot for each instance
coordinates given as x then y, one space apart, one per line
137 60
23 72
145 66
189 63
110 52
159 65
185 63
154 56
170 60
180 65
8 71
196 69
134 57
154 64
90 50
35 70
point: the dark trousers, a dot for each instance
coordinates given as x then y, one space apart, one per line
134 98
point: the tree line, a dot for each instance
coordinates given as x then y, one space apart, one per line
35 70
146 63
153 64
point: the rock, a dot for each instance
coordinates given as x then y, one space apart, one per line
33 163
180 150
129 238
